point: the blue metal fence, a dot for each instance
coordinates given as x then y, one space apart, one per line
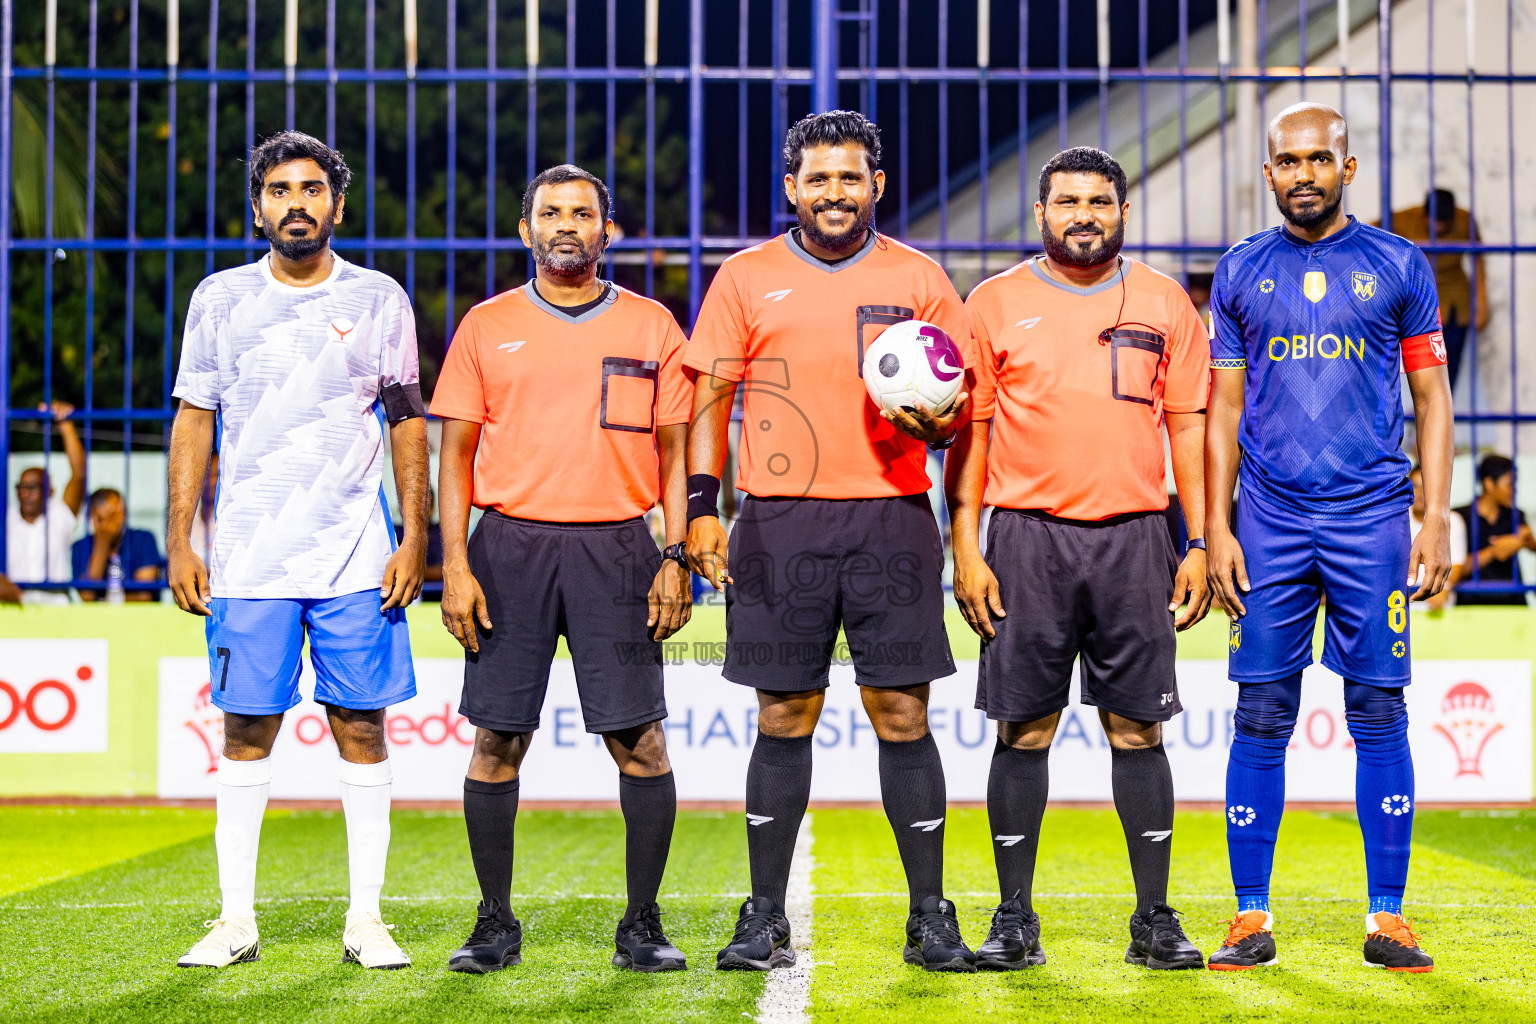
967 90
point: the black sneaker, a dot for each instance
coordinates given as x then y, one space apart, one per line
933 938
496 942
641 944
1250 943
1394 946
1014 941
1158 942
761 942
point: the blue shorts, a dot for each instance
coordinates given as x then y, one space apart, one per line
1359 564
362 659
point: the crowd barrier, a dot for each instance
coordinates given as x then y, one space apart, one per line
114 702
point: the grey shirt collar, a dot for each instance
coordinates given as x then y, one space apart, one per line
610 296
795 247
1114 281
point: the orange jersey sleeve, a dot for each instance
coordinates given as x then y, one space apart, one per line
984 394
460 390
944 310
1188 387
718 345
674 398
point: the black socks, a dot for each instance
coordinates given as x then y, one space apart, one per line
650 809
778 790
1143 785
1017 789
912 788
490 813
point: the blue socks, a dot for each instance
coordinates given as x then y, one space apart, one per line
1266 714
1384 798
1378 722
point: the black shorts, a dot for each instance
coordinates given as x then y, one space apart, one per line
584 581
1096 590
805 566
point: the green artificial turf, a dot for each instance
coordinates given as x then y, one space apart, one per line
96 904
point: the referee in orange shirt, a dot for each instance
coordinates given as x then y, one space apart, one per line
565 413
836 529
1085 357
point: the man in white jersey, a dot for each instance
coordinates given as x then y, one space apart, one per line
304 360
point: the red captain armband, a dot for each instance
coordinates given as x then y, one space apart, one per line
1423 351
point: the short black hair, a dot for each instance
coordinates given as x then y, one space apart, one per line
285 146
1494 466
834 128
1441 204
559 175
101 494
1083 160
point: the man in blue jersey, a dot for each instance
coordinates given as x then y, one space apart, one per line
1311 321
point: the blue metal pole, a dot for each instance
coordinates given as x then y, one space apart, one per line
824 55
6 18
695 157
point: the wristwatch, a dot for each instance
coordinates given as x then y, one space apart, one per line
943 443
1193 544
676 552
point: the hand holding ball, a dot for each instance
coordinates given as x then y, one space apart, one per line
913 364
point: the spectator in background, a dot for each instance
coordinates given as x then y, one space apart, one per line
1457 310
1493 534
39 526
114 550
1458 542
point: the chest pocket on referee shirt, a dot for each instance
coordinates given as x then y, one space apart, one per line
1135 357
629 394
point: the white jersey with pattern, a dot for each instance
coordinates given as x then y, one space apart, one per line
295 375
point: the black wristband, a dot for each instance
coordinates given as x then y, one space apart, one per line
703 496
676 553
401 402
1194 544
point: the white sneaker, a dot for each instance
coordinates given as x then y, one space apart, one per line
367 942
231 941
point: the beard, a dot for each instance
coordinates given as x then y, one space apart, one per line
299 249
841 240
1320 214
565 264
1060 250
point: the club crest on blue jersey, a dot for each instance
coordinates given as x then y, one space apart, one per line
1315 285
1364 285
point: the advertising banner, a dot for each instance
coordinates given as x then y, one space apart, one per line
1470 730
53 696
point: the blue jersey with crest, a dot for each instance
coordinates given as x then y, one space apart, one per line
1323 330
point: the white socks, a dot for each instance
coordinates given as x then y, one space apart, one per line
241 802
365 792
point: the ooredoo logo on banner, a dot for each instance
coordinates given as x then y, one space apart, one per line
53 696
1470 729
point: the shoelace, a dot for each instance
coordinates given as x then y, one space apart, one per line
1005 918
647 921
375 929
941 927
755 926
1238 930
1164 917
1400 926
487 928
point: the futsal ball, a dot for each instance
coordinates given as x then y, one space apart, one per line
913 363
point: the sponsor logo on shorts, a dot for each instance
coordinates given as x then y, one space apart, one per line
1234 636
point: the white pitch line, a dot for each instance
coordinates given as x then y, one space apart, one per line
787 995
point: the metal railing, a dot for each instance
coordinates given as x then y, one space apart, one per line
446 108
